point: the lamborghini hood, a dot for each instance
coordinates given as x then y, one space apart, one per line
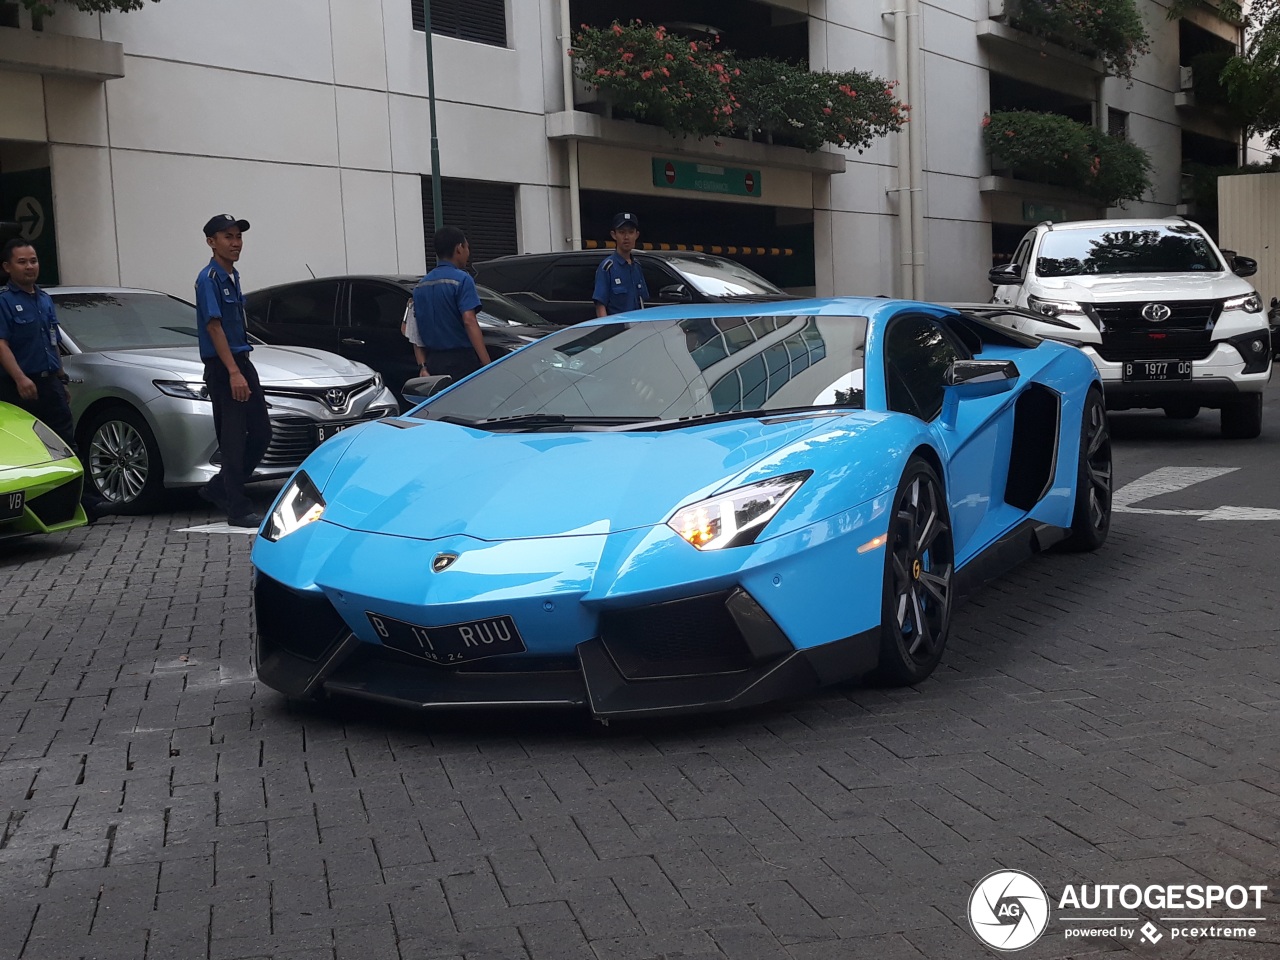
434 479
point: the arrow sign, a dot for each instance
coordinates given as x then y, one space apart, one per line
29 214
1172 479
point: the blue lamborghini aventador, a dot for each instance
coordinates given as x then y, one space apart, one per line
682 509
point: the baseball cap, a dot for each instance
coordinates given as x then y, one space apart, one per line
224 221
625 220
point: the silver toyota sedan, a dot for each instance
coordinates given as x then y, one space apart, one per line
143 416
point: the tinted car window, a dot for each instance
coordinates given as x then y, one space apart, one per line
1172 248
312 303
377 305
569 281
660 370
917 353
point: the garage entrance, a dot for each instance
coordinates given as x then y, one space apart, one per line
26 202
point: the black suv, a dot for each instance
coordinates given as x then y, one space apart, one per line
360 318
559 285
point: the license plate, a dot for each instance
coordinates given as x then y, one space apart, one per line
454 643
1157 370
326 430
11 504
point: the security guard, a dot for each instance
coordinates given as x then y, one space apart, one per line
32 376
620 282
240 418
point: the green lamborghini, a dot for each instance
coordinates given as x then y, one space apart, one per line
40 477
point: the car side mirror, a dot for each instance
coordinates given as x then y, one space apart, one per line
1244 266
423 388
1004 274
981 378
675 293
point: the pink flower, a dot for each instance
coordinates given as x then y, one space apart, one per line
986 122
693 46
628 57
646 75
617 30
602 72
826 110
670 56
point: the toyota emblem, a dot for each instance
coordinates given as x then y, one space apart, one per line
442 562
1157 312
335 398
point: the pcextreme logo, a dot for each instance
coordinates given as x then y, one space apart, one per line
1009 911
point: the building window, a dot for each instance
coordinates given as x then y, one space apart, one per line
1118 123
481 21
486 213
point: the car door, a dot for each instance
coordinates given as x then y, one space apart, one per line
918 349
301 315
369 331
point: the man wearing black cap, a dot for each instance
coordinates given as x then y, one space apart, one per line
620 282
240 417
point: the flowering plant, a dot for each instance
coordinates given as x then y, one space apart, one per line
694 87
1050 148
1111 30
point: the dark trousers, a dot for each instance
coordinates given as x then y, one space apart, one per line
243 430
455 363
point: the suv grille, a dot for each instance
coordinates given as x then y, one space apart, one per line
1128 335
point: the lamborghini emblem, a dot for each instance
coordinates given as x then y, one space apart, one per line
442 562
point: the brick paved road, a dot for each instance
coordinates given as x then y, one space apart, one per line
1098 719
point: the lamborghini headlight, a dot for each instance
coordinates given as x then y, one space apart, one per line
1249 303
736 517
57 447
299 505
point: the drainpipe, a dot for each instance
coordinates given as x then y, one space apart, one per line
906 277
915 132
575 201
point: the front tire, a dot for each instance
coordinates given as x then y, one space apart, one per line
1242 418
918 577
122 460
1091 518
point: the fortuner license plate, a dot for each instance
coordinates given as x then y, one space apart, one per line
1145 370
453 643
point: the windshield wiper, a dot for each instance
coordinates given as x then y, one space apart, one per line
826 410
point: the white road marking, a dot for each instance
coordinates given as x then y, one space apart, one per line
1172 479
219 528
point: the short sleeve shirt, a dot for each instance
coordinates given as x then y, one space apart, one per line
620 285
218 295
29 323
439 301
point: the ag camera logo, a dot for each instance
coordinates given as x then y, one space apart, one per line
1008 910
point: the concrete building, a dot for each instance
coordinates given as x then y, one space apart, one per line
122 133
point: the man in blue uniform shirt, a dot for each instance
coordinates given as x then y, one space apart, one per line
31 374
444 330
620 282
240 417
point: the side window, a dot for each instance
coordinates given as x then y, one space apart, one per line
255 308
1023 255
917 353
570 281
306 303
655 278
377 305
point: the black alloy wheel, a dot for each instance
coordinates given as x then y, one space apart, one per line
918 578
1091 517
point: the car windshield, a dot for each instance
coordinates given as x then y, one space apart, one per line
498 311
668 369
715 277
120 321
1171 248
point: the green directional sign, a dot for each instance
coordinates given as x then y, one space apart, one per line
1033 212
705 177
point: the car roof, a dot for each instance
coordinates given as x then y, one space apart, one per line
604 252
1118 223
53 291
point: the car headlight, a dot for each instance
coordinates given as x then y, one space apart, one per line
57 447
1054 308
182 389
1249 303
299 504
737 517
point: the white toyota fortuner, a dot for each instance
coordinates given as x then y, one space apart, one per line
1166 316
